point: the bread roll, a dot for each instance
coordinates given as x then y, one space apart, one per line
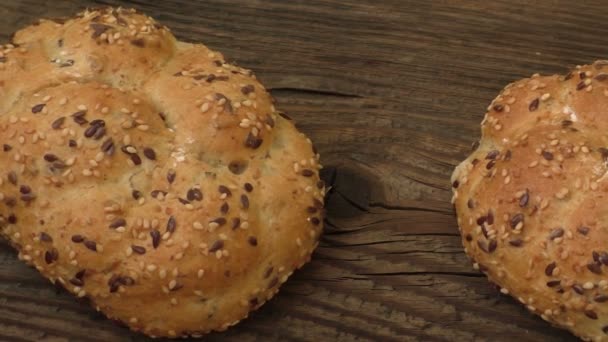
531 198
150 176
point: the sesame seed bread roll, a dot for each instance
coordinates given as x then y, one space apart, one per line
149 176
531 199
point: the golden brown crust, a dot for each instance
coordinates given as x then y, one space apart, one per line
530 198
149 176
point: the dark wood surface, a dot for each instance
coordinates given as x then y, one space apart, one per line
392 92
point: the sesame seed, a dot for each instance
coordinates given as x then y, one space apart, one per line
556 233
600 298
523 200
588 285
492 154
224 190
155 234
516 242
139 249
91 245
171 225
580 85
550 268
194 194
224 208
77 238
128 149
533 105
135 159
44 237
118 223
99 156
216 246
273 282
58 123
578 289
252 141
236 223
218 222
158 194
583 230
150 153
244 202
591 314
562 193
171 176
547 155
516 220
12 177
246 90
38 108
77 282
51 256
595 267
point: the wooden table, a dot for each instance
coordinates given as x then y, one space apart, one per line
392 92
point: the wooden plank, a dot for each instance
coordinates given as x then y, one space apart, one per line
392 93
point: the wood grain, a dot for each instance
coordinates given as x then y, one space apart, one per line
392 92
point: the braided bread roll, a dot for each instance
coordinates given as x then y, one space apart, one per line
150 176
531 198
